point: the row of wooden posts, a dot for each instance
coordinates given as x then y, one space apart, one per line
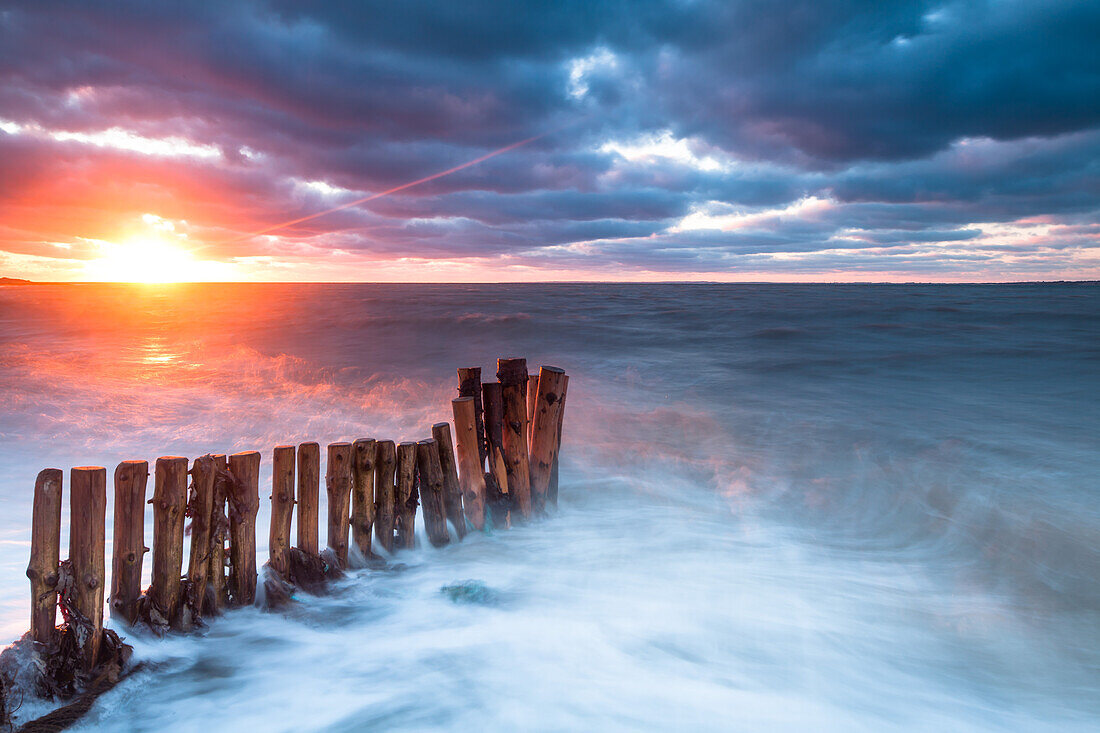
507 435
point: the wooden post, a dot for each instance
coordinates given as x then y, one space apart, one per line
128 551
497 496
512 374
338 480
545 433
384 500
87 535
532 393
431 492
552 492
309 490
471 473
203 477
282 507
469 385
452 492
405 498
364 452
219 529
169 509
244 496
45 553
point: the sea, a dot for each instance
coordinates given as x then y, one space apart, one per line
782 507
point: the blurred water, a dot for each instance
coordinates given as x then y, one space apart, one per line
783 507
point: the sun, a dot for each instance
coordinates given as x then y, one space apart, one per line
151 259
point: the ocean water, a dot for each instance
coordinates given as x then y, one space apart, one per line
783 507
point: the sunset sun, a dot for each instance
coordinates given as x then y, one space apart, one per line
151 259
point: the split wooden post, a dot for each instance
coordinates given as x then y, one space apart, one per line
338 480
364 452
203 478
405 497
282 507
545 433
219 528
552 491
471 474
452 492
309 490
532 393
128 550
244 496
431 492
469 385
87 535
45 553
169 511
512 375
384 500
497 496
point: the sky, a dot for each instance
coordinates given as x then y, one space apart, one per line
748 140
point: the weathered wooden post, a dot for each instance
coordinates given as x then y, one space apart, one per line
169 509
128 551
532 392
219 530
384 498
364 452
545 434
87 536
452 492
45 553
552 492
471 474
338 481
469 385
244 497
282 507
431 492
203 477
512 374
497 496
405 498
309 491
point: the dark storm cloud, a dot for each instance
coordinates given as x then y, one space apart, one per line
918 123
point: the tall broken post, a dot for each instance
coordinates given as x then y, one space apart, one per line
87 536
338 480
385 518
363 452
309 490
545 433
282 507
169 512
512 375
469 385
244 500
128 551
45 553
471 474
552 490
219 531
452 492
431 492
497 496
405 496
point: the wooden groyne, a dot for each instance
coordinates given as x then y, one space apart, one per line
495 467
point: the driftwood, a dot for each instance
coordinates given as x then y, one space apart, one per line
363 452
282 505
338 480
469 385
431 492
470 468
546 433
128 552
87 536
497 496
385 518
309 490
452 492
405 499
244 502
45 554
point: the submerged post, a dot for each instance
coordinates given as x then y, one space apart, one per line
431 492
405 498
45 553
497 495
244 497
87 536
203 477
169 508
452 492
512 374
471 474
219 530
338 480
545 433
282 506
364 452
128 551
384 500
469 385
552 491
309 490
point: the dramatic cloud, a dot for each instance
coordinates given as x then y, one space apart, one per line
825 139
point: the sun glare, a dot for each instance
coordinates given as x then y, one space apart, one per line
152 260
